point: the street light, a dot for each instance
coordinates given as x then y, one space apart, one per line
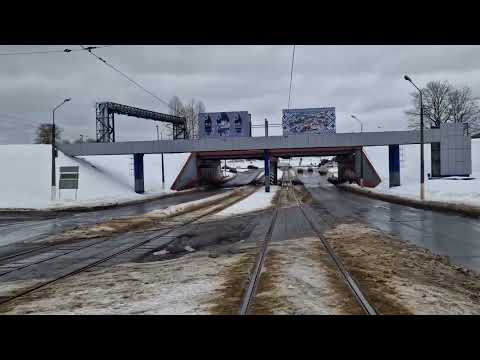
422 176
163 168
361 124
54 187
361 153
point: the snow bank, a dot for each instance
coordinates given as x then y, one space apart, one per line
456 191
259 200
26 171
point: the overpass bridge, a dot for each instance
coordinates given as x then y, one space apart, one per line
451 152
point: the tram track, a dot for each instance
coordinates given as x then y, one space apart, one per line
164 234
255 273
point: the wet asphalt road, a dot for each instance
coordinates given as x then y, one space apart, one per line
30 230
455 236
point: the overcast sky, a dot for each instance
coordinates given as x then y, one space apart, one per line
363 80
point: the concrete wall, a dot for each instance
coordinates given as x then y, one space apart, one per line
188 176
455 151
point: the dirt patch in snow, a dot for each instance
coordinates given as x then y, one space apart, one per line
299 278
155 219
401 278
229 295
182 286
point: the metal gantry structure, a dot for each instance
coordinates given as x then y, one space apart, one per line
105 120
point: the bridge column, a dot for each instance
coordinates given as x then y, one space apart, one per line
274 171
138 173
394 165
274 175
266 157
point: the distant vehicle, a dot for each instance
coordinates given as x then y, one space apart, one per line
310 170
322 171
232 170
300 171
252 167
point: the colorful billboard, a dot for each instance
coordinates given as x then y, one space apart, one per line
309 121
224 124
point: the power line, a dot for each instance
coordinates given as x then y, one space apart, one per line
291 75
11 117
128 77
35 52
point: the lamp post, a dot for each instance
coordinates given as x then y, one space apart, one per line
361 124
422 175
361 152
163 168
54 187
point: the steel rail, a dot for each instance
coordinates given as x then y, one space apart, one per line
357 292
111 256
254 275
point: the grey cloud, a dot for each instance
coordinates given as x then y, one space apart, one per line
365 80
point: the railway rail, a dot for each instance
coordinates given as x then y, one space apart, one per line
254 276
164 234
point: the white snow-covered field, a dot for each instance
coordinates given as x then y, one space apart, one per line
259 200
446 189
26 176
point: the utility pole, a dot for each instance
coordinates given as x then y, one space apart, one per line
266 128
54 152
422 167
361 151
163 168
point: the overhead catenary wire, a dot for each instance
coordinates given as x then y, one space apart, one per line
10 118
36 52
128 77
291 77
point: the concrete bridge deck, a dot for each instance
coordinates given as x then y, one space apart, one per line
451 154
259 143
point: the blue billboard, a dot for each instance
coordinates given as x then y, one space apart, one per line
309 121
224 124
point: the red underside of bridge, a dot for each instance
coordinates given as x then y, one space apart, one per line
187 179
284 153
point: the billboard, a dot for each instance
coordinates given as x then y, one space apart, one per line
224 124
309 121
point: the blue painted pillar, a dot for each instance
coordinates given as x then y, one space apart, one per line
138 173
274 168
266 157
394 165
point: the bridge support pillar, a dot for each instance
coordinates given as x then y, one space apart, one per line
273 171
138 173
266 157
394 165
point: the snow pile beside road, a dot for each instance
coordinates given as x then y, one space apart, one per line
259 200
186 285
26 177
446 189
180 208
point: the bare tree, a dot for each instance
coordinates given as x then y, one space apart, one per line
43 134
436 106
190 112
176 106
442 103
464 108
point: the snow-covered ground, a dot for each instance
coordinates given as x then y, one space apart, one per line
26 175
446 189
259 200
